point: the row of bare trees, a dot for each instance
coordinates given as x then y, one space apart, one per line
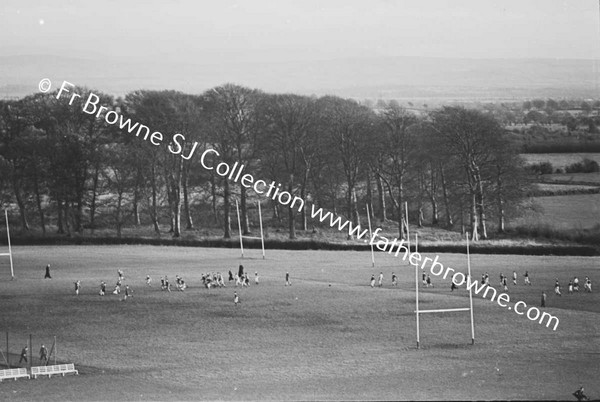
70 170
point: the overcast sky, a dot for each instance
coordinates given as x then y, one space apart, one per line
263 30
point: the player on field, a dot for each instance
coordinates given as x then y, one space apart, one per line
580 395
287 279
241 270
120 272
43 354
576 284
380 281
117 287
527 281
543 303
23 355
77 287
148 280
429 281
557 287
588 285
482 279
47 275
256 278
487 279
504 283
230 276
453 286
394 279
167 284
102 288
236 298
128 293
514 277
424 279
570 287
372 280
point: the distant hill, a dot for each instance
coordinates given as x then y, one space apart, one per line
418 78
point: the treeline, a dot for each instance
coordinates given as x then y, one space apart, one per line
62 169
585 166
571 114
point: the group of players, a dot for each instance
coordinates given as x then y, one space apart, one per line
209 280
485 280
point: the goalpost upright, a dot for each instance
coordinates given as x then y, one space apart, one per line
262 237
371 236
9 254
444 310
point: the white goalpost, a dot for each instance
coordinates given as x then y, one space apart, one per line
444 310
9 254
262 237
370 236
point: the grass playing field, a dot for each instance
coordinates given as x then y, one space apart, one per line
306 341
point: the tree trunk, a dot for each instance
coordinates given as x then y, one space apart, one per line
118 218
226 208
303 217
38 198
349 207
291 213
189 223
449 222
244 211
481 206
435 219
474 224
21 205
381 199
501 217
213 194
176 186
59 223
95 180
275 206
154 208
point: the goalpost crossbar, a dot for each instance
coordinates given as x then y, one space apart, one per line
442 310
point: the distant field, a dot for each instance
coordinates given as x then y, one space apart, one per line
328 336
564 187
578 211
560 160
592 178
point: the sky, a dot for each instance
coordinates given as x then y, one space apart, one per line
263 30
303 46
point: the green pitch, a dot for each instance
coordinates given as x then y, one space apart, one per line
306 341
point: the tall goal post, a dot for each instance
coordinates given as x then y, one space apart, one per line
444 310
370 236
9 254
262 237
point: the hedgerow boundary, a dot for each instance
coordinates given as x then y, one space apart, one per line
556 250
